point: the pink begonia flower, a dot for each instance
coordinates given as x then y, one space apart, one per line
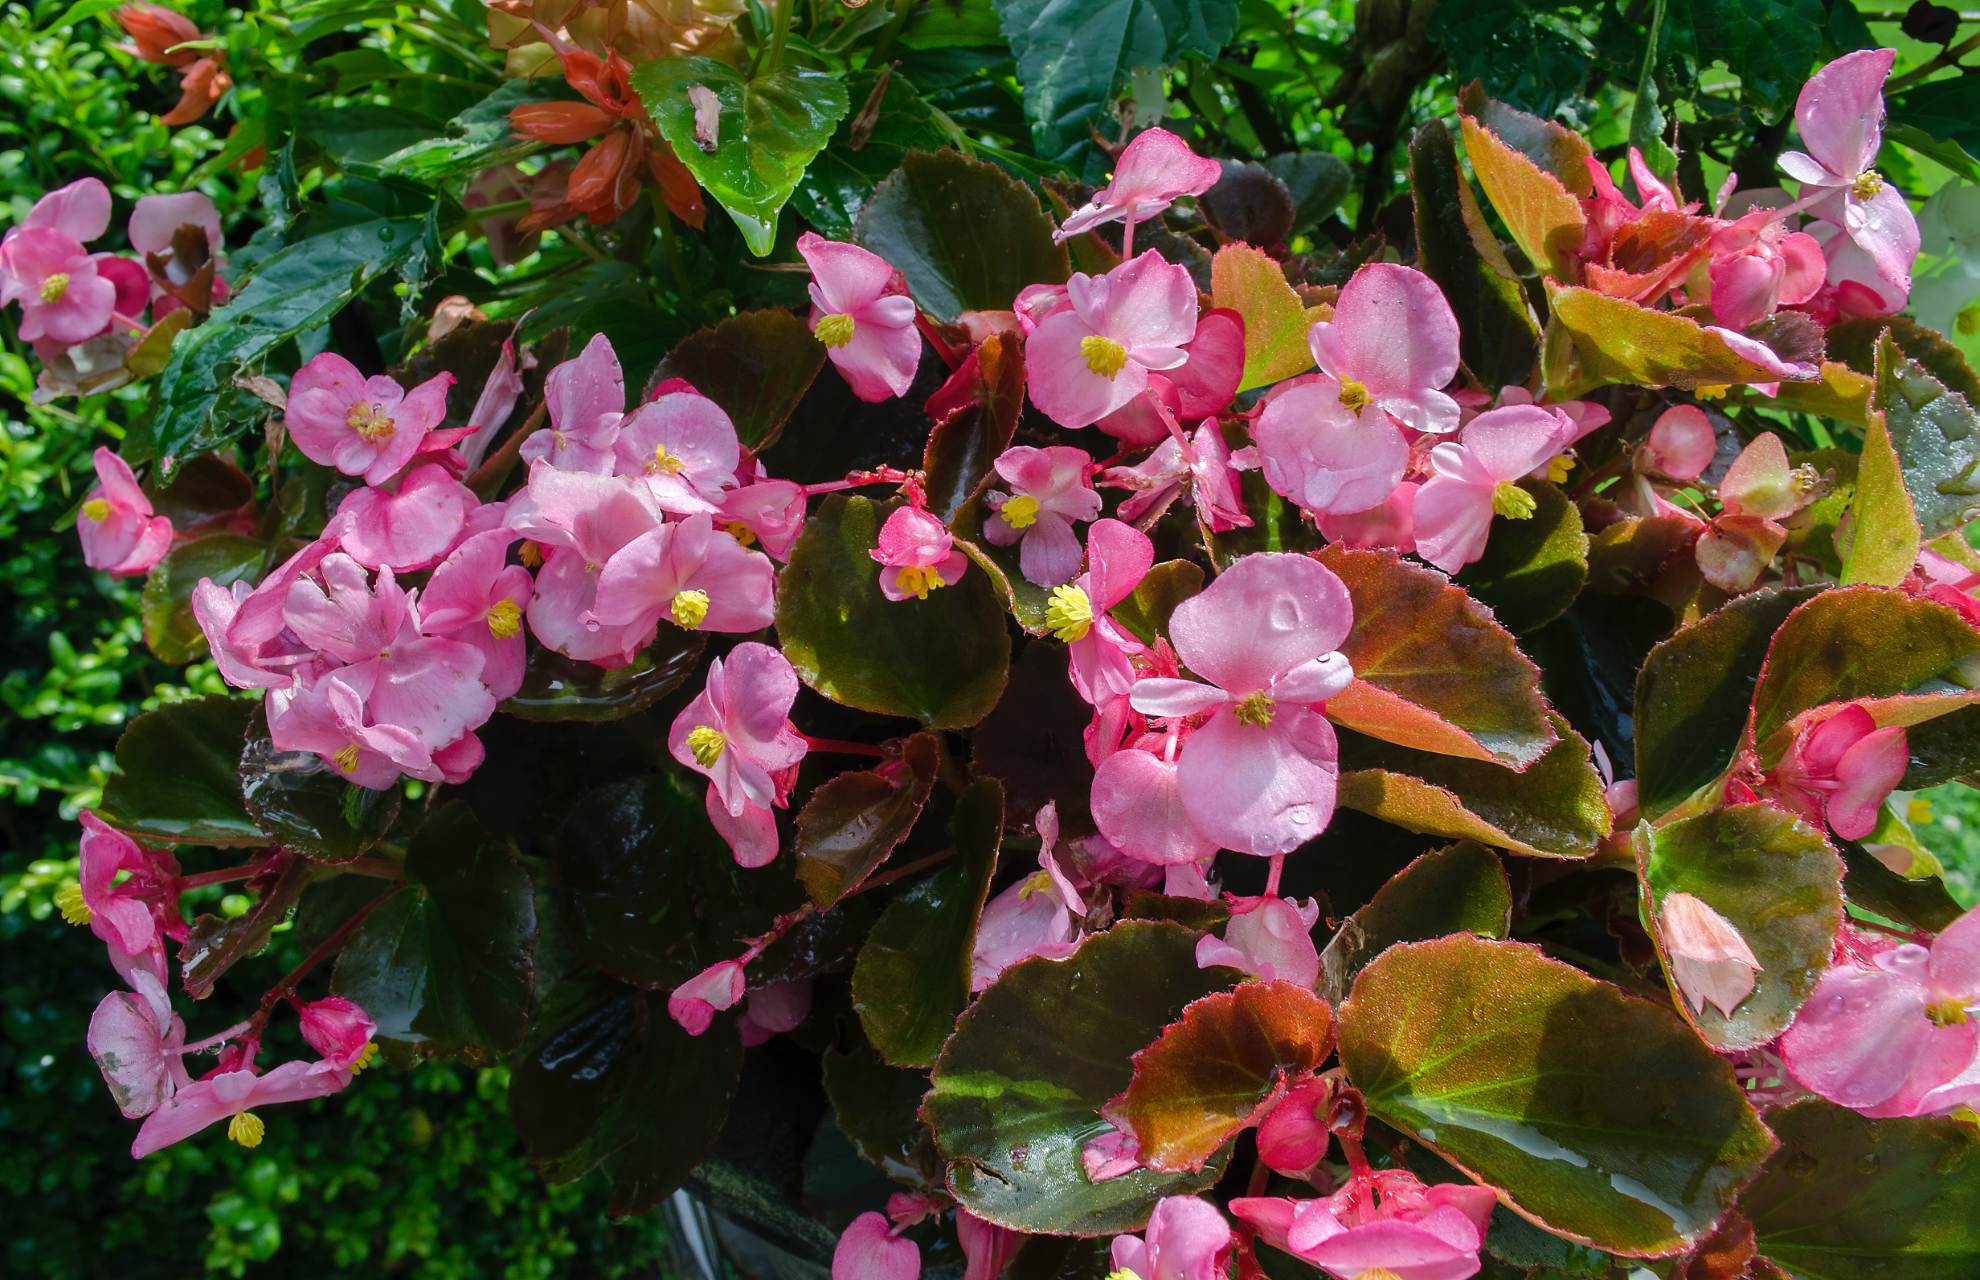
1151 173
1839 769
1113 1154
1050 492
737 733
1681 444
1033 917
861 311
1840 115
339 1030
245 631
1138 804
1393 343
987 1248
1854 287
139 1046
1037 303
1294 1136
1477 476
1393 524
1269 938
130 915
79 210
410 526
1327 457
870 1250
115 524
1710 961
580 520
366 427
154 222
1198 388
695 1002
329 718
65 298
1163 476
1758 265
586 398
768 511
684 447
1387 1221
917 554
1083 363
1258 775
1118 557
774 1009
477 597
228 1096
1186 1239
1895 1033
691 574
492 407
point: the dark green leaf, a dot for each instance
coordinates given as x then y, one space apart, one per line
177 776
1534 568
1034 740
1498 336
852 822
170 629
1318 181
841 179
476 139
879 1108
756 365
558 688
216 943
1461 888
964 444
305 805
1769 44
1944 110
1168 584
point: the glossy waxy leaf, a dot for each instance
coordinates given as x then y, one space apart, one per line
870 143
1253 284
1461 888
912 977
1593 340
1854 343
215 944
1884 534
1497 334
1851 1198
941 660
967 235
1533 568
1018 1089
878 1107
1539 1080
1936 433
478 138
1775 880
170 629
1218 1066
177 778
1034 741
963 446
853 821
769 126
1943 748
1433 669
558 688
756 365
304 804
1543 216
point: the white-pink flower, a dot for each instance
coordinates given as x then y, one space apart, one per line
861 311
1710 960
1050 492
1840 114
1088 360
917 554
1393 344
1269 938
1151 173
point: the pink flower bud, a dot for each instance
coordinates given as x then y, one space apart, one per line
695 1002
1710 961
869 1250
1294 1137
337 1028
1681 443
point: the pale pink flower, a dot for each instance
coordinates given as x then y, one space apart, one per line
1387 1221
870 1249
246 631
409 526
492 407
477 597
861 311
1050 492
1477 476
695 1002
1758 264
1710 961
1186 1239
737 733
65 298
1111 1155
329 717
1258 774
692 575
1840 114
1294 1136
1855 288
1893 1032
1083 363
917 554
139 1046
1118 557
338 1029
1393 344
367 427
1269 938
685 449
79 210
1392 524
774 1009
1681 444
1151 173
1138 804
1318 451
586 398
1033 917
115 524
580 520
228 1096
770 511
1198 388
1204 471
1839 769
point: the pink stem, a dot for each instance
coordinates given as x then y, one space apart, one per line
841 746
1272 876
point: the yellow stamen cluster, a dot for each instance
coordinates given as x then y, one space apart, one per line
69 901
1947 1013
1867 184
1103 355
54 285
531 555
1354 395
1020 512
707 743
918 580
1255 710
97 509
1558 468
1036 882
504 619
835 331
1123 1273
1512 502
246 1129
346 758
740 532
689 608
370 422
366 1057
1069 613
670 463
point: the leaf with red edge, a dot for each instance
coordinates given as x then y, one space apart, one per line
852 822
1433 669
1593 340
969 436
757 365
1251 283
1218 1067
1559 151
1543 216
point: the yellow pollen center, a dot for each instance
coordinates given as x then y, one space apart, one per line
706 742
689 608
1947 1013
664 461
97 509
1558 468
346 758
1069 613
246 1129
1512 502
366 1056
54 285
69 901
370 422
1867 184
1036 882
918 580
1104 356
531 555
1354 395
1255 710
1123 1273
1020 512
504 619
835 331
740 532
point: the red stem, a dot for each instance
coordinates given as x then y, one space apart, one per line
1272 876
841 746
324 950
221 876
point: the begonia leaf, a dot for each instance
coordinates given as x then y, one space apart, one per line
1249 203
1883 530
878 1107
1543 216
1936 433
1922 901
1146 611
1497 334
1943 748
964 444
304 804
1461 888
1433 669
757 365
1851 1198
177 776
1775 880
853 821
170 630
1034 740
1018 1088
912 977
1253 284
941 660
1003 567
1554 1088
1594 340
214 944
1854 343
558 688
965 234
1554 148
1532 569
865 149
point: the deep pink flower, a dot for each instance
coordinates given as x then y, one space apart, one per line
131 914
580 520
329 717
1330 458
1855 287
368 427
115 524
1393 524
1894 1033
870 1250
684 447
1200 387
1294 1136
1186 1239
1477 477
228 1096
695 1002
1393 343
409 526
586 398
691 574
917 554
1083 363
1386 1221
338 1029
1839 769
770 511
1710 960
245 630
79 210
1151 173
1269 938
1033 917
1205 472
861 311
64 297
1118 557
139 1046
737 733
1258 775
1840 114
477 597
1758 265
1681 444
1050 492
987 1248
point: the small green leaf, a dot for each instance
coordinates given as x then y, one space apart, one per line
1532 569
477 139
853 821
1884 537
177 776
756 365
1461 888
879 1108
170 630
1253 284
